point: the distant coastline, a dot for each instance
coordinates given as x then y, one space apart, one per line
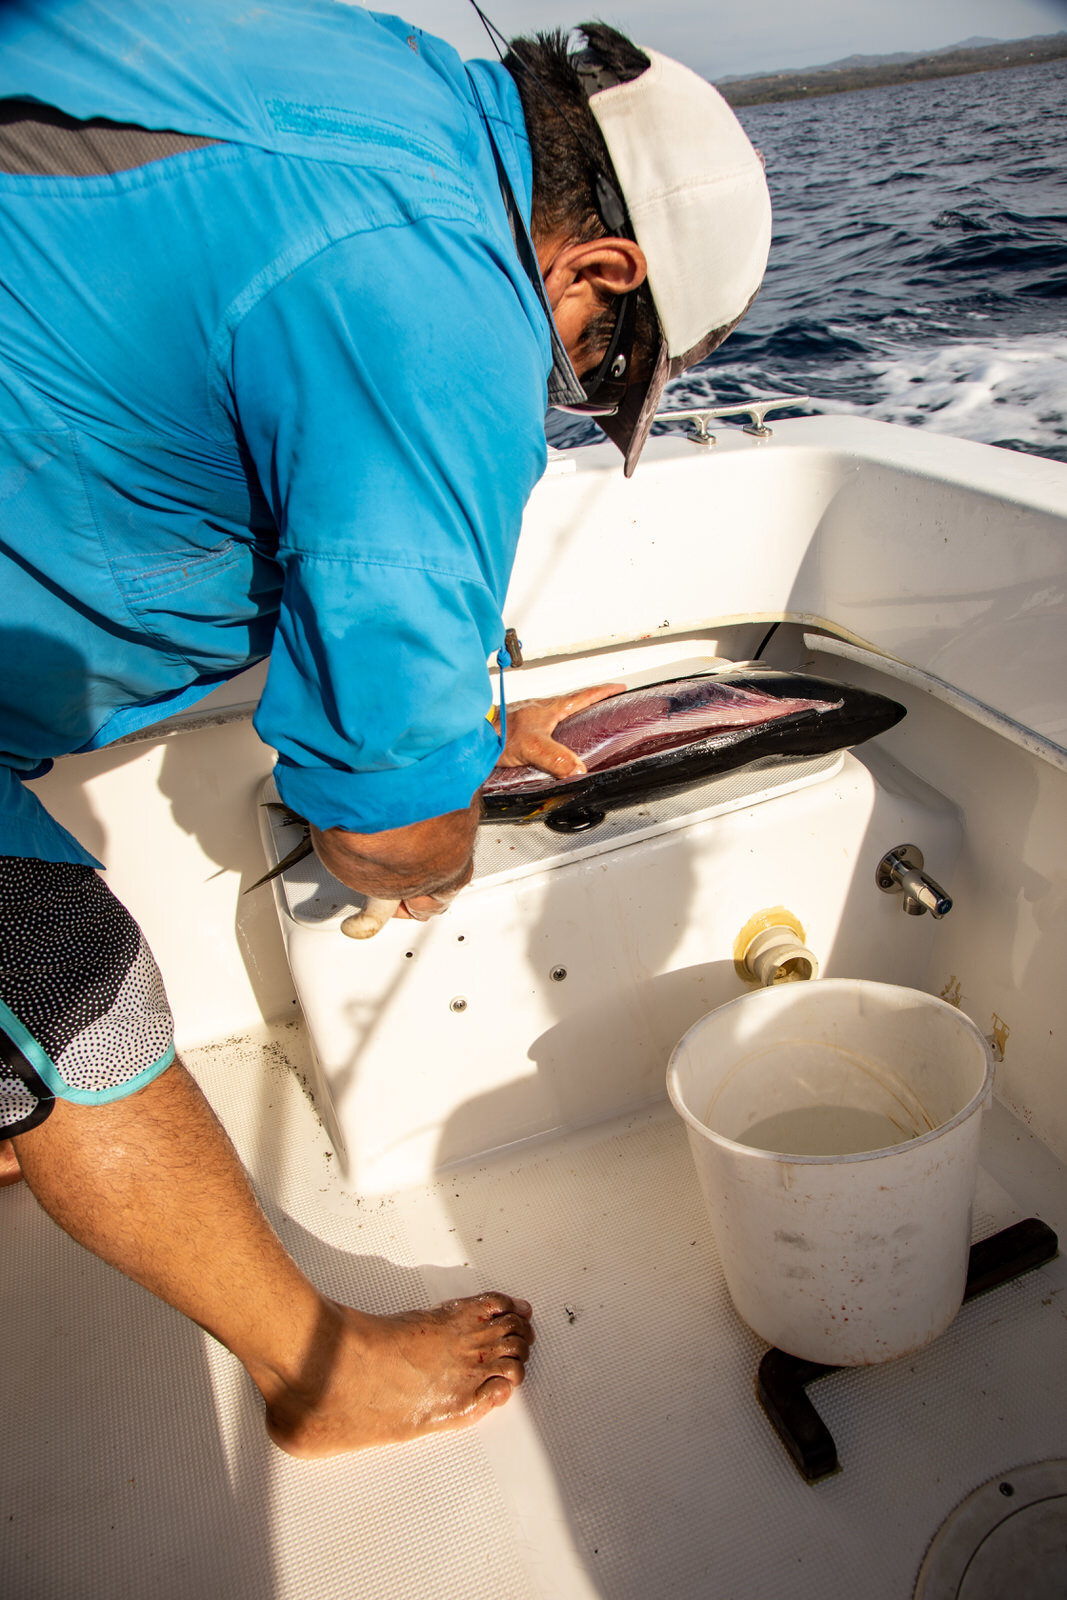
770 86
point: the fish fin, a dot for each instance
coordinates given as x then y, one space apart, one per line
288 818
298 853
553 803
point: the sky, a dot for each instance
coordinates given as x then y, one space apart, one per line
721 37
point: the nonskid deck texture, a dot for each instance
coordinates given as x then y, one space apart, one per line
635 1465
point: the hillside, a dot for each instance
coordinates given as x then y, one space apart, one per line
871 72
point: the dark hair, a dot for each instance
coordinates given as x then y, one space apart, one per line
568 152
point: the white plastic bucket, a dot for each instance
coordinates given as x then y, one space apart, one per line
837 1252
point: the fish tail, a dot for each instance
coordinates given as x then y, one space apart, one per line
298 853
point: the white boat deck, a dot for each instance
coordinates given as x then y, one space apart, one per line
635 1464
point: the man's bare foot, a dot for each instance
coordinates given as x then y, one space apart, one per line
10 1171
382 1380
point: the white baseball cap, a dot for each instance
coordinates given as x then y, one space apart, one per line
697 199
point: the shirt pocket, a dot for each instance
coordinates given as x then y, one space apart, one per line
181 555
146 578
212 608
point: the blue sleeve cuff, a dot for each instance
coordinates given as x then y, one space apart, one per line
372 802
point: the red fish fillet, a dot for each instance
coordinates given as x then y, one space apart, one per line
662 717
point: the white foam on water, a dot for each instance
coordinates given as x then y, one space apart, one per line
987 391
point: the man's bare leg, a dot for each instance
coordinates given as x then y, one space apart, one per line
152 1185
10 1171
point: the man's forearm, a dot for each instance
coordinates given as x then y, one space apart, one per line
431 857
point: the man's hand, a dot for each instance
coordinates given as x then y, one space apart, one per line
531 723
424 865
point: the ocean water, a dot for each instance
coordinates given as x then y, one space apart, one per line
918 269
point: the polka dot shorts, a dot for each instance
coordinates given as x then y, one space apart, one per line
83 1012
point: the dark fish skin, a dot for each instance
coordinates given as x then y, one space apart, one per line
854 716
654 719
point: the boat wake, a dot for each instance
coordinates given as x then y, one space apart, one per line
1005 391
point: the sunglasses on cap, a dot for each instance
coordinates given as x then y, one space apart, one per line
606 385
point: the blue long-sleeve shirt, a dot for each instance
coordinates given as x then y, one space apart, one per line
281 394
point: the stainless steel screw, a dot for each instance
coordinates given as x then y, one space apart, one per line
558 974
458 1004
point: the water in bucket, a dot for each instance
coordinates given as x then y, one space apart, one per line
826 1131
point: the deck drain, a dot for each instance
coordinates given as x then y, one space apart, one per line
1007 1538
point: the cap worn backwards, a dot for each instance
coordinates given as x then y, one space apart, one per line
697 197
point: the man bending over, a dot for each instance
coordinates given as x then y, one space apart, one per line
281 309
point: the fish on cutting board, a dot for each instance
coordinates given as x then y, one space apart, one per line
666 737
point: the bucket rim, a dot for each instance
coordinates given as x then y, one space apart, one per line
975 1104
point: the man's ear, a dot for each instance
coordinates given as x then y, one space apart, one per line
580 277
593 270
